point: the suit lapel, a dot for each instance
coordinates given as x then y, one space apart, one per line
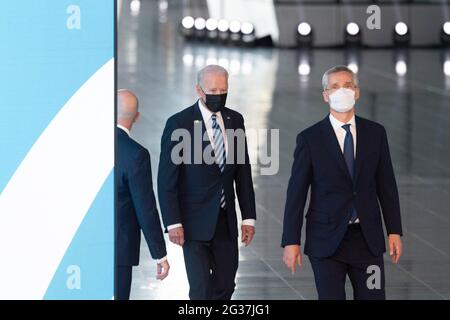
198 119
334 148
228 123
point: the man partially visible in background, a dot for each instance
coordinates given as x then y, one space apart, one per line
136 204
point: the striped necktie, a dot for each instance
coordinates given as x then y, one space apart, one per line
219 151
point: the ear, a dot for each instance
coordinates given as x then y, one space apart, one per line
356 93
325 97
199 92
138 114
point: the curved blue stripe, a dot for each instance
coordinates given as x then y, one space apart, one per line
92 251
43 64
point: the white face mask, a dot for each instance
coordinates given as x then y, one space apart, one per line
342 100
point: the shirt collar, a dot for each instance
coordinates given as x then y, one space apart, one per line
338 124
124 129
206 113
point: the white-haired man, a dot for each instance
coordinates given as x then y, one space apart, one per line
197 198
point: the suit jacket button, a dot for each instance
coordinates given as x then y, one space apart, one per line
354 193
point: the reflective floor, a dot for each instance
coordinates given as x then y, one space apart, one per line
407 92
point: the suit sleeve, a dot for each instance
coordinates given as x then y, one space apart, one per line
387 190
141 189
297 191
168 173
244 183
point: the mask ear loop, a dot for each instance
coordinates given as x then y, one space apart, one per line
204 102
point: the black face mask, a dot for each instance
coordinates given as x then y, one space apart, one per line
215 102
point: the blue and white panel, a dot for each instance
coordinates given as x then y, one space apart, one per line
57 149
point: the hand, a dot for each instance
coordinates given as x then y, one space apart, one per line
292 254
177 236
162 270
395 247
247 234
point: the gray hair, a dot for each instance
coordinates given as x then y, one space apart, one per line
212 68
336 69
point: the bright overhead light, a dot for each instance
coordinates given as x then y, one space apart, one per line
446 28
188 22
200 24
247 28
401 28
304 29
211 24
223 25
235 26
352 29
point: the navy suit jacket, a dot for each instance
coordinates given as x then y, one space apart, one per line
320 164
136 204
190 193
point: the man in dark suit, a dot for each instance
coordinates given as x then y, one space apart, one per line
136 204
196 192
345 160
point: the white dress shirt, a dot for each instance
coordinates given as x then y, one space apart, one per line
124 129
206 115
340 134
207 118
128 133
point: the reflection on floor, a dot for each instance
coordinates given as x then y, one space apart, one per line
407 92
